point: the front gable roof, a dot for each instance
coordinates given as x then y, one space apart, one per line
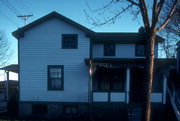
19 33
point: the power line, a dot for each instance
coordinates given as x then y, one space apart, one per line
9 19
11 7
14 10
24 5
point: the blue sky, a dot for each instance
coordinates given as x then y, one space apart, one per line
73 9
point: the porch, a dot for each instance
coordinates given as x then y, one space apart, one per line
121 81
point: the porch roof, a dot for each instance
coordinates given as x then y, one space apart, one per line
122 38
13 68
127 62
115 62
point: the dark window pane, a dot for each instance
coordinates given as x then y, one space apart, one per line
157 85
70 110
39 109
106 79
55 77
140 50
109 49
69 41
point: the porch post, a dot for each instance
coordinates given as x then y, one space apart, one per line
7 84
127 84
164 88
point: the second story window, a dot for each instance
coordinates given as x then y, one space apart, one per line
140 50
69 41
109 49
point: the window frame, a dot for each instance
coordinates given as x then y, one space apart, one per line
114 49
99 80
136 49
48 77
69 35
71 109
39 109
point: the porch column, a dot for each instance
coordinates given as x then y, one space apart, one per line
164 88
7 84
127 84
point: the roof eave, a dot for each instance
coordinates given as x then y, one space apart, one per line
20 32
159 39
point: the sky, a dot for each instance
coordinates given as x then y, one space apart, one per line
73 9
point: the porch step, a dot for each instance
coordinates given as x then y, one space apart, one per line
135 112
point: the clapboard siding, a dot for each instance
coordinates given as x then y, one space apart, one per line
122 51
41 46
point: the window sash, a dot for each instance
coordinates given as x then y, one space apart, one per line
55 77
69 41
109 80
70 110
140 50
109 49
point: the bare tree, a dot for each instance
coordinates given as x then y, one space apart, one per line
168 47
5 52
171 32
150 14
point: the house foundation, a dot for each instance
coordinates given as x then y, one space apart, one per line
53 110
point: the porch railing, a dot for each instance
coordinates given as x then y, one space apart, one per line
174 99
108 96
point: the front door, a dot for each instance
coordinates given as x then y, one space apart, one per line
136 85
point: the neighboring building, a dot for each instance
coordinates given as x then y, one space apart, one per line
67 70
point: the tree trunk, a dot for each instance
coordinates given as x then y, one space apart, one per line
146 114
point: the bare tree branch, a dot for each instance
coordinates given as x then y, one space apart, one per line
171 13
97 22
168 47
102 8
133 2
144 12
5 53
159 7
154 14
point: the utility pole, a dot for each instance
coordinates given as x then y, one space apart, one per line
25 17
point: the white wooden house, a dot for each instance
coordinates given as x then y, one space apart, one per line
66 69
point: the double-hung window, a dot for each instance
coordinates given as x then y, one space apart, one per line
55 77
69 41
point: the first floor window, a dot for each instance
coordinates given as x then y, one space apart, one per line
39 109
106 79
70 110
55 77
